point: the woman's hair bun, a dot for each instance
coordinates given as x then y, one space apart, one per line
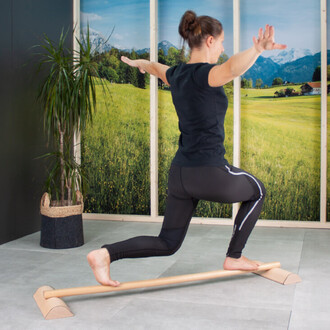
189 24
194 29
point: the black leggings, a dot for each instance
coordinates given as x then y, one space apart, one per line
186 186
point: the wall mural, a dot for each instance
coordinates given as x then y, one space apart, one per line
170 46
281 108
280 102
116 148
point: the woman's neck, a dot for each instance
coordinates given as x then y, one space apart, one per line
199 56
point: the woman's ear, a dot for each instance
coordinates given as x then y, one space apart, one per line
210 41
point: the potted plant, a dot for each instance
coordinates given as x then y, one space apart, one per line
68 99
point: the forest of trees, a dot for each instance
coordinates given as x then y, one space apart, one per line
110 67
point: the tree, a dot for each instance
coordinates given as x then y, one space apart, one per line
68 98
317 74
259 82
246 83
173 56
289 91
277 81
130 75
114 62
243 83
161 56
141 82
122 72
182 55
108 73
223 58
280 93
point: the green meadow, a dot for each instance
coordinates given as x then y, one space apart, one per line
280 145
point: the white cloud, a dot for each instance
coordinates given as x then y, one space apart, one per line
89 17
118 36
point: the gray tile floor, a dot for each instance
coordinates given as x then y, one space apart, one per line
245 302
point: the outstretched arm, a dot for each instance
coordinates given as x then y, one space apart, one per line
154 68
241 62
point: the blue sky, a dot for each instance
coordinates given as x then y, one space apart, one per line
129 17
171 11
297 23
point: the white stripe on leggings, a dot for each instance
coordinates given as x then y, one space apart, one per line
260 190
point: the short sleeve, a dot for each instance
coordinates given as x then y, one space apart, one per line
201 74
169 74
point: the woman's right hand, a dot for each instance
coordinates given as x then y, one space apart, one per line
266 40
133 63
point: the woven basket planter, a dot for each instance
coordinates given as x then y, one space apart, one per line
61 226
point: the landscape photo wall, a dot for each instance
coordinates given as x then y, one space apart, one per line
116 147
169 16
280 106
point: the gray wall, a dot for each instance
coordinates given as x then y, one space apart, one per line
22 24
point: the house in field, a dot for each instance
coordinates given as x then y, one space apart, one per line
311 88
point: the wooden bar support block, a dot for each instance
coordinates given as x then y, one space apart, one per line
52 308
279 275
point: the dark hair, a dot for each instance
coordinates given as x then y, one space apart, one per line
195 29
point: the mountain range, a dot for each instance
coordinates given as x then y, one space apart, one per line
292 65
290 55
297 71
101 44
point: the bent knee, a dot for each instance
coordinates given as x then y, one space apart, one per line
172 239
171 247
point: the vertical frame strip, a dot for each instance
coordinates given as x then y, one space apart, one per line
153 112
237 97
76 35
324 93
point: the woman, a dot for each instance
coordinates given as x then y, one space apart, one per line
199 170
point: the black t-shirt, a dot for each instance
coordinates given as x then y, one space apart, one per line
201 110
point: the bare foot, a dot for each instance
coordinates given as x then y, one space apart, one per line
99 261
241 263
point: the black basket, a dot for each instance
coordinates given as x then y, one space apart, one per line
62 233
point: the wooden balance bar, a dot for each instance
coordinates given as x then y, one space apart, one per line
52 307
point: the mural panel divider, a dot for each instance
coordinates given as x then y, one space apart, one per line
76 28
153 112
237 98
324 93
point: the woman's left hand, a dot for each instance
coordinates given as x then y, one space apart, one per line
266 40
133 63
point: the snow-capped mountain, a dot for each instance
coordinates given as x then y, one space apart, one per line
98 41
298 71
101 44
165 46
290 55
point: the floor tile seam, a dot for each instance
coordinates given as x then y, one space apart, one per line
289 321
167 268
122 307
213 304
295 289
